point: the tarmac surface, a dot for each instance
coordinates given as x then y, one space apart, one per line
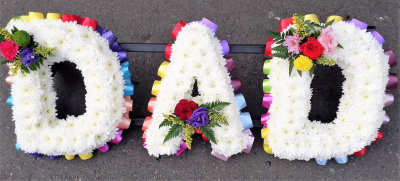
239 22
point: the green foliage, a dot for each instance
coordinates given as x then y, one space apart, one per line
208 132
173 132
22 38
312 70
339 46
324 61
217 105
279 55
189 131
166 123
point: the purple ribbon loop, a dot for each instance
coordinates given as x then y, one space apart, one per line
117 139
386 119
393 80
100 29
265 118
378 37
210 24
115 47
54 157
359 24
249 144
104 148
229 64
109 36
236 84
389 99
122 56
35 154
392 59
182 148
222 157
225 47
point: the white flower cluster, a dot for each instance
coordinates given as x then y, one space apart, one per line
360 112
196 55
37 128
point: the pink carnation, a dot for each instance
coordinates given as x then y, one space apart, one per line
328 40
9 49
292 43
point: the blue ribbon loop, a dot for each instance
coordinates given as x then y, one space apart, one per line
128 91
246 120
125 64
321 162
126 72
240 100
127 80
115 47
100 29
341 160
17 147
9 101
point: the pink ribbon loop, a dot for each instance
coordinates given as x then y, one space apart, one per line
265 118
182 148
236 84
392 59
229 63
104 148
267 101
222 157
393 80
389 99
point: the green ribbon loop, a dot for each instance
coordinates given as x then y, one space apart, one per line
266 86
267 67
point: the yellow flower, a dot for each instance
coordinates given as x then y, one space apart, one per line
303 63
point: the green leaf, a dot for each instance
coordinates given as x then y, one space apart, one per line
299 72
300 16
25 69
2 38
173 132
4 62
213 123
41 61
312 70
317 25
166 123
280 48
279 55
51 55
280 42
208 132
329 23
291 65
15 29
217 105
273 34
339 46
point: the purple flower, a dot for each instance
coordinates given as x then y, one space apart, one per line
199 118
28 56
292 43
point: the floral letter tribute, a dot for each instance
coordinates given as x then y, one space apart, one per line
301 43
197 55
30 45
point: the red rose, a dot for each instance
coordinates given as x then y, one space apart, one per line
185 108
312 49
9 49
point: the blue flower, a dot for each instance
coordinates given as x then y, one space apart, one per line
28 56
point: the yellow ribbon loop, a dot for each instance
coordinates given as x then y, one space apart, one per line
267 148
87 156
334 17
264 133
53 16
162 71
35 15
312 18
69 157
25 18
156 88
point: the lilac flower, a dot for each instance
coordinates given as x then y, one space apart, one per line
199 118
292 43
29 56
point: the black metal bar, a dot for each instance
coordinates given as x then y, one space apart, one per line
160 48
139 122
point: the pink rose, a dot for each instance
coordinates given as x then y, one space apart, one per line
9 49
328 40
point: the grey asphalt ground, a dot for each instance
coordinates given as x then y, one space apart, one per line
240 22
